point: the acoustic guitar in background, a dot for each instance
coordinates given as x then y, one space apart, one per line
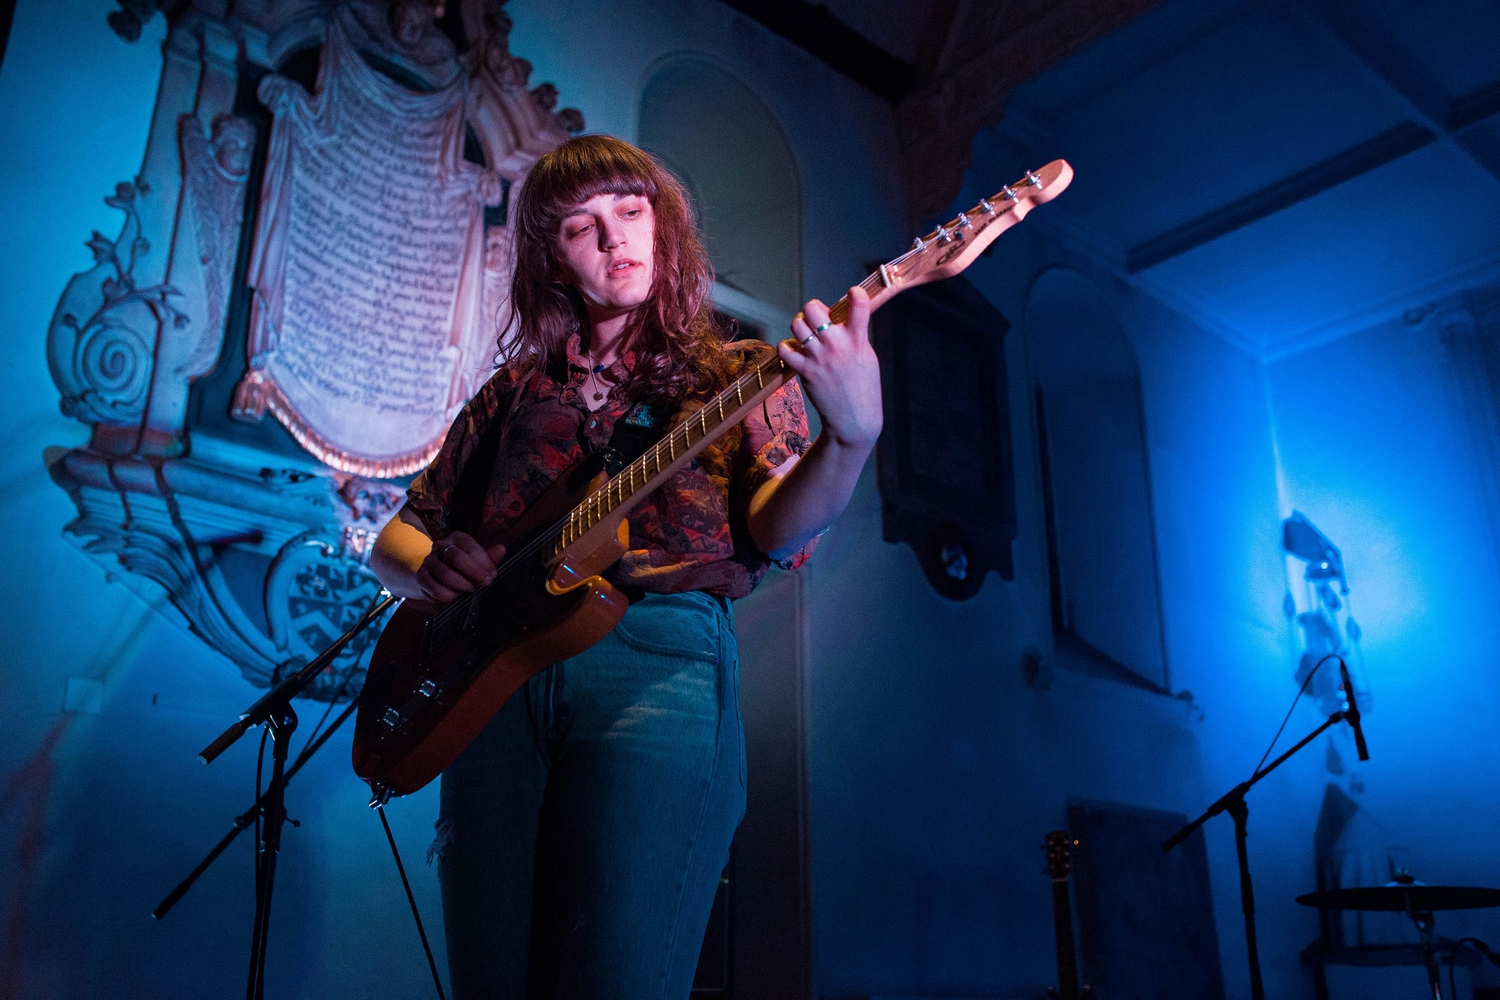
1059 848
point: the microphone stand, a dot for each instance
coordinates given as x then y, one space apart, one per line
1233 802
274 711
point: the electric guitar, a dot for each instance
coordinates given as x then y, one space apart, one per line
1059 847
439 673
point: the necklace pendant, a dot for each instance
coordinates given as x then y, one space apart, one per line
598 396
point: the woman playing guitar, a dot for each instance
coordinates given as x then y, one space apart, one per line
582 834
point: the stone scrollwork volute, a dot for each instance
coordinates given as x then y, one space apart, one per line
514 125
101 342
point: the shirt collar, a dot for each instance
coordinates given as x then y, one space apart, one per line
620 368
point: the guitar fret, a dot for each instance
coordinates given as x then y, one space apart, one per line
620 488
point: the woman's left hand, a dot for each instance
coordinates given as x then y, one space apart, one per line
839 370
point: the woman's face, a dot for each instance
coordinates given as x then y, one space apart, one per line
605 247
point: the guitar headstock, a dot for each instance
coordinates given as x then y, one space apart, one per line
953 246
1059 847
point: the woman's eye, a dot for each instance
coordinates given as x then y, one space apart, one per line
579 232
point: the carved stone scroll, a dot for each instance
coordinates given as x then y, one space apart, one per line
214 170
367 331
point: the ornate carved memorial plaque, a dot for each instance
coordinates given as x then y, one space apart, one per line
367 332
377 299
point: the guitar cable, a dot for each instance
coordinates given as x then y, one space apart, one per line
1478 946
1300 692
421 931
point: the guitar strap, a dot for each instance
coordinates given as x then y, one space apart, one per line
637 430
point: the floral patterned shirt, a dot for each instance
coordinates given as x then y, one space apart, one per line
688 535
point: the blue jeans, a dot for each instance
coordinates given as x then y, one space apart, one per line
582 835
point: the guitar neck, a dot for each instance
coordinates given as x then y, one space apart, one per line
942 253
596 519
1062 927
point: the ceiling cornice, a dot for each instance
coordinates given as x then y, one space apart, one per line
1009 45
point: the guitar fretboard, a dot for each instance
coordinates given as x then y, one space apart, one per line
645 473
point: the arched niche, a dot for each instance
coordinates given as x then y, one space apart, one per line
731 155
713 133
1101 544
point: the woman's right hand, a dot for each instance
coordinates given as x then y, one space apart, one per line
456 565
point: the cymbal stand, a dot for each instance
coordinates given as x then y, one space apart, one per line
1423 920
1233 802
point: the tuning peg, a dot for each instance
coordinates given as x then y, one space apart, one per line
1033 179
1008 193
917 245
986 207
963 222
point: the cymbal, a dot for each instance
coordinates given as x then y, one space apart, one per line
1398 897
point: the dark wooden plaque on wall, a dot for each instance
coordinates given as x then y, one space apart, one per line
946 470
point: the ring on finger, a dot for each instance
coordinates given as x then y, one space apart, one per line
821 327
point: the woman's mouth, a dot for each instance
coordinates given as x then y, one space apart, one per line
620 268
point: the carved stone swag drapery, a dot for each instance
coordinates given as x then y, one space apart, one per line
260 549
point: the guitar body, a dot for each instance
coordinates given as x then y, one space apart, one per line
405 758
439 672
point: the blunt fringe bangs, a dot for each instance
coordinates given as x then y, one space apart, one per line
673 336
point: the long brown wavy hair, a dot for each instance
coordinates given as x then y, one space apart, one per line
673 334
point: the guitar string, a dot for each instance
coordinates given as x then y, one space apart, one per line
600 498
